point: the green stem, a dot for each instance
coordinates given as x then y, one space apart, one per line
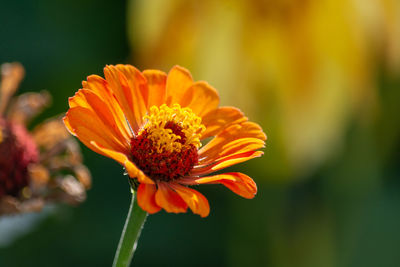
130 235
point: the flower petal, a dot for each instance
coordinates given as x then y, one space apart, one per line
239 146
225 162
130 167
11 76
169 200
135 172
49 134
68 125
224 142
218 120
128 84
97 84
136 81
178 82
26 106
77 119
201 98
115 121
194 199
100 87
156 83
78 100
239 183
146 198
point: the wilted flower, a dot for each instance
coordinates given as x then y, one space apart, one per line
153 124
36 167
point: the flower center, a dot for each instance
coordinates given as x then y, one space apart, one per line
17 151
166 147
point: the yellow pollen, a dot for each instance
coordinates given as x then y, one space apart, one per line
163 138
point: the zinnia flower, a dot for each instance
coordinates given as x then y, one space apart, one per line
153 124
39 166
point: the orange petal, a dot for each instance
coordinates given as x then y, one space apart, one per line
127 84
156 83
146 198
136 80
115 122
194 199
239 183
217 120
99 86
68 125
236 159
201 98
169 200
78 100
225 162
211 151
86 136
178 82
240 146
121 158
86 125
234 147
82 133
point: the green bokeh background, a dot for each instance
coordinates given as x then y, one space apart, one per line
346 213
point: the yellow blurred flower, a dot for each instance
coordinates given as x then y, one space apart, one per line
309 65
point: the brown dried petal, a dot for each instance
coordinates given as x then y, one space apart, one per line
39 175
50 133
11 76
72 191
27 106
11 205
83 175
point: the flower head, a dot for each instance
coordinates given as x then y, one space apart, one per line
154 124
38 166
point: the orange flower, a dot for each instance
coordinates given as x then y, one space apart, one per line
153 124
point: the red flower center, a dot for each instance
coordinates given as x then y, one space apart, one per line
165 165
166 147
17 151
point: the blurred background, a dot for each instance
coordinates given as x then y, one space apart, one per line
322 77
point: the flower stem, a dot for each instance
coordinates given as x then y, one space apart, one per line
130 235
